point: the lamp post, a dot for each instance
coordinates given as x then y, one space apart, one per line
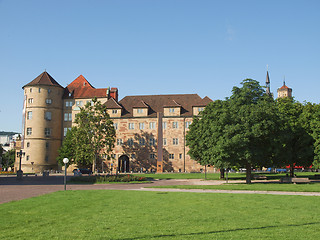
65 161
20 172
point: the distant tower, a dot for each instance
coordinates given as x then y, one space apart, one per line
284 91
43 123
268 85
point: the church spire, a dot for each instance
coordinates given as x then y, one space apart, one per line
268 84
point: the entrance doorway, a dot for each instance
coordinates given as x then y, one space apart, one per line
123 164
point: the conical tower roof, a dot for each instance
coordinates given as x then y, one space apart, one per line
267 78
43 79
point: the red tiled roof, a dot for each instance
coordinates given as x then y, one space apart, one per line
43 79
81 88
284 87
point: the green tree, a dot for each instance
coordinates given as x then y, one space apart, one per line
296 140
238 131
315 128
92 136
8 159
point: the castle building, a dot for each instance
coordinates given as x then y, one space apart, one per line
150 130
284 91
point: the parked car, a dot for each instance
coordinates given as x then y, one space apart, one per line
80 171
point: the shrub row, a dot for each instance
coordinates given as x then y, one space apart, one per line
107 178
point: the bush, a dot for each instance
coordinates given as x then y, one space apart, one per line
107 178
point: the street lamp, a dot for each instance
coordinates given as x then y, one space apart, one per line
20 154
65 161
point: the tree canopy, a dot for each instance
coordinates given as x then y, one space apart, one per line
92 136
238 131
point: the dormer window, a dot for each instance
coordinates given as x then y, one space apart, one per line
139 110
171 110
70 94
114 111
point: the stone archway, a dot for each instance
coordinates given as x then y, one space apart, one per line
123 164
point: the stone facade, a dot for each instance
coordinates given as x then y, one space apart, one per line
50 111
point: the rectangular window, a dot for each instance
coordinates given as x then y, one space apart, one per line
29 115
46 159
39 90
141 126
139 110
115 125
47 132
152 156
47 145
69 104
114 111
65 130
164 125
171 110
188 124
49 90
48 101
142 141
152 125
180 155
79 103
67 117
119 141
28 144
47 116
152 141
171 156
29 131
30 89
175 125
131 125
164 141
28 157
30 100
200 109
175 141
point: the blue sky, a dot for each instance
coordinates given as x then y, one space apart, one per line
158 46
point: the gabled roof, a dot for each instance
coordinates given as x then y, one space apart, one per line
156 103
172 103
81 88
112 104
43 79
204 102
140 104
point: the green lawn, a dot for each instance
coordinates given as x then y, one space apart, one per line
103 214
253 187
215 176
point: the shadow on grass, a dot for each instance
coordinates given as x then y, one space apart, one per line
223 231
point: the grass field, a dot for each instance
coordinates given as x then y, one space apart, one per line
253 187
102 214
215 176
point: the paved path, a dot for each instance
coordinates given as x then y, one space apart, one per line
11 189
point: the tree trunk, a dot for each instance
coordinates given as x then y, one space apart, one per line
291 170
248 173
221 173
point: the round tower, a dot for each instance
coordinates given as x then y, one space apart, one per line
42 128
